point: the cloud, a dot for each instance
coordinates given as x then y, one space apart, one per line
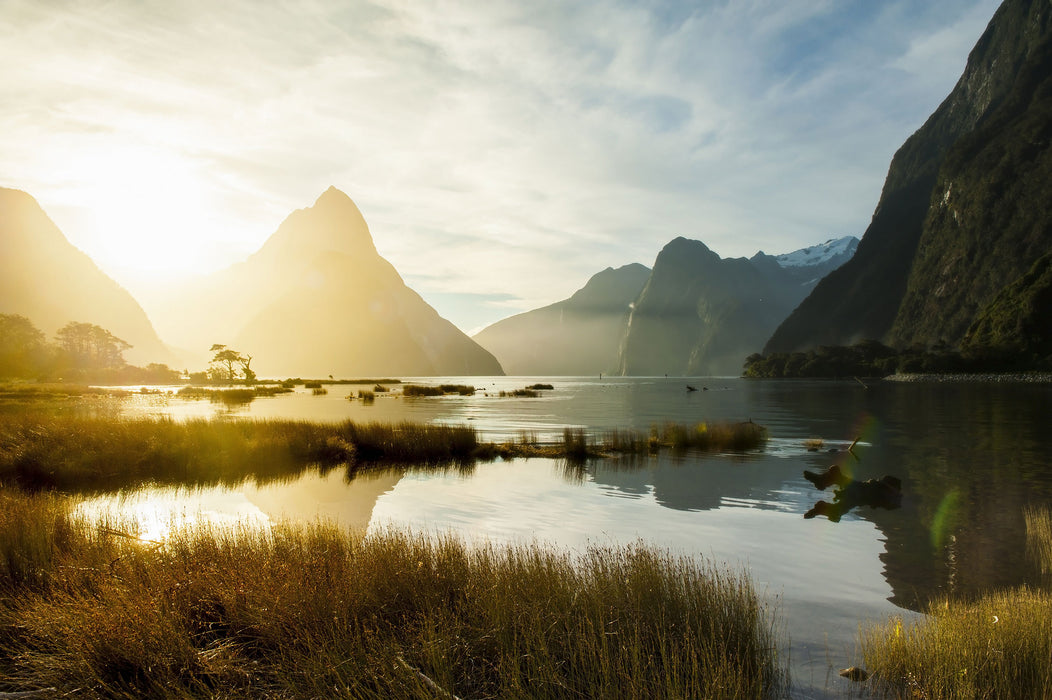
496 149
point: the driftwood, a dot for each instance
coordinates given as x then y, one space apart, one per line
431 685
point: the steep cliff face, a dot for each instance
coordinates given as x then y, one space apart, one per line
574 337
317 299
48 280
963 192
702 315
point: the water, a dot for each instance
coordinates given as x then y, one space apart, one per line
971 458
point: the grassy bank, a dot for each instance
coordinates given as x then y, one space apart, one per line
996 646
317 612
39 451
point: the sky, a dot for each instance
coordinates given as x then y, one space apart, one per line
501 152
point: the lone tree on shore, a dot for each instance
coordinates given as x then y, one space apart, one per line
229 365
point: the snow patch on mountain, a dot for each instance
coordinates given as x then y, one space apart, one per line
818 254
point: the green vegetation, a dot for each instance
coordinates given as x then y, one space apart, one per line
870 358
541 387
440 390
82 352
316 611
996 646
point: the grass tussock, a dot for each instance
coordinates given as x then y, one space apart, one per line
520 393
88 453
708 436
998 645
440 390
40 451
367 397
232 397
317 612
319 391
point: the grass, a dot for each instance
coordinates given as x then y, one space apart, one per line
232 397
314 611
365 395
998 645
47 391
440 390
41 451
708 436
520 393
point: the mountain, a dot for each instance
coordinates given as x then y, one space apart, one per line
964 214
46 279
576 336
700 314
318 299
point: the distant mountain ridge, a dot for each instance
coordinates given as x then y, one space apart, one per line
47 279
579 336
963 216
318 299
693 313
700 314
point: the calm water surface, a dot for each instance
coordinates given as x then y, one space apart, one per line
971 458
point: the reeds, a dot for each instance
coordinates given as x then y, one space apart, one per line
39 451
520 393
999 646
996 646
440 390
316 612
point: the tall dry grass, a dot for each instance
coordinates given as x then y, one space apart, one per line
41 451
996 646
317 612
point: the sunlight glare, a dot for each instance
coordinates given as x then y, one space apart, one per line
149 209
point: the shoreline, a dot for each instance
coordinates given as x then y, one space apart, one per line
986 377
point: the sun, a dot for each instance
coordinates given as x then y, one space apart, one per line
146 210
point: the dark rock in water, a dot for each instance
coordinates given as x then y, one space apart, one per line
885 492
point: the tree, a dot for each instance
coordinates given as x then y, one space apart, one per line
229 365
88 346
23 351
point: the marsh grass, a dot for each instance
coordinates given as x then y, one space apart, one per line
319 391
440 390
519 393
232 397
998 645
740 436
366 396
90 453
314 611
